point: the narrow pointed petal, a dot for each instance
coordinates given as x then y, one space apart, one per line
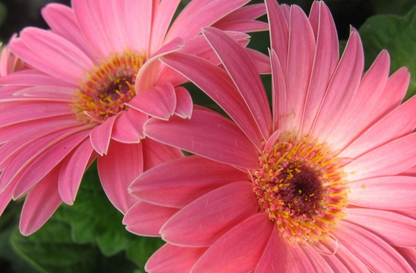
73 169
239 249
389 226
159 101
400 122
199 224
161 22
5 197
45 162
343 86
300 57
358 115
381 192
122 164
184 103
146 219
207 134
378 161
139 32
49 51
41 202
373 251
100 136
279 32
324 63
243 19
62 21
183 180
246 79
198 14
279 96
128 127
409 254
221 90
171 258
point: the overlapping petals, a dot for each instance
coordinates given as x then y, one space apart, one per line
315 95
89 85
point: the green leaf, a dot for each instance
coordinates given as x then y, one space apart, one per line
398 36
94 219
142 248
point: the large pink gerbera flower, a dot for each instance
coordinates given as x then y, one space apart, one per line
94 81
324 182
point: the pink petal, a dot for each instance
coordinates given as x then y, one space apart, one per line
146 219
207 134
33 77
378 162
279 32
46 161
279 256
260 61
409 254
183 180
100 136
170 258
18 163
382 192
122 164
279 96
343 86
155 153
128 127
62 21
357 117
41 202
73 169
184 103
16 112
147 76
207 218
339 257
394 92
325 60
161 22
300 58
221 90
53 55
242 25
400 122
388 225
198 14
5 197
139 32
240 249
159 101
90 21
318 261
373 251
246 79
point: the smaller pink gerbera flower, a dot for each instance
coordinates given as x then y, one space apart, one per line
324 182
94 80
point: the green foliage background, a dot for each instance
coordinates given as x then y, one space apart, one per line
89 236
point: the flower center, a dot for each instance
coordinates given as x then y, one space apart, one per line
300 185
107 87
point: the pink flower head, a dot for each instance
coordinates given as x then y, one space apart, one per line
322 182
95 80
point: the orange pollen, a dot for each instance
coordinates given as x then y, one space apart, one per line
300 184
107 87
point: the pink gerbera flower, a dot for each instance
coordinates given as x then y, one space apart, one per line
324 182
93 83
